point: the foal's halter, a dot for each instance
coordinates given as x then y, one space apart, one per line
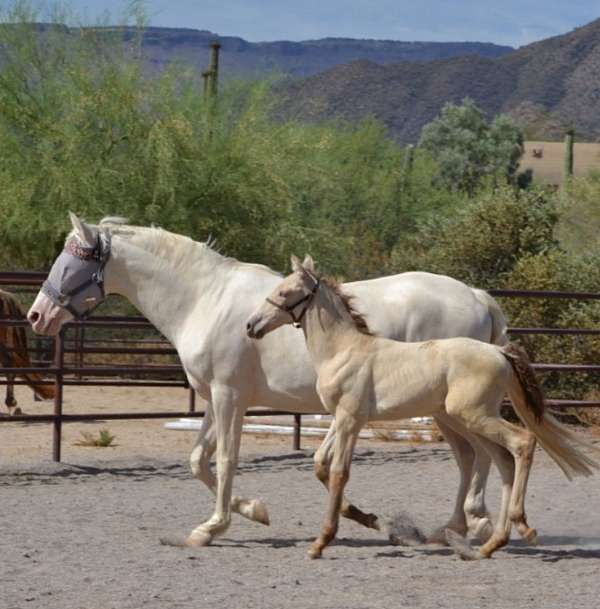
307 298
76 279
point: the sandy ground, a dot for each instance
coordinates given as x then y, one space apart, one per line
84 534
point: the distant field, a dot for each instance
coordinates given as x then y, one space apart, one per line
548 168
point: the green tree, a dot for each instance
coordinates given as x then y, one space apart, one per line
467 148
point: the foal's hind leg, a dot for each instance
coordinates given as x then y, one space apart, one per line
507 445
322 461
205 446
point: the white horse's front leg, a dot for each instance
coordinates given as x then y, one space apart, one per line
205 446
228 416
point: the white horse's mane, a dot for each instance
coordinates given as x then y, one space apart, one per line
179 249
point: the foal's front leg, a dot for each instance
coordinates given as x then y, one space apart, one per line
322 461
345 439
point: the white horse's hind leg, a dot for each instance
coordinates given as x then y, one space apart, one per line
470 512
229 415
205 446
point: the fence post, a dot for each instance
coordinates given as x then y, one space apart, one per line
297 429
59 356
192 399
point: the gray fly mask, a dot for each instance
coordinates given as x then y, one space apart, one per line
76 279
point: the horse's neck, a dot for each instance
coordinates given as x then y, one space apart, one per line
164 292
328 326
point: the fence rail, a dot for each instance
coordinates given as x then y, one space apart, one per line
62 374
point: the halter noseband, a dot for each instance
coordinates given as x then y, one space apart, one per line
296 321
62 295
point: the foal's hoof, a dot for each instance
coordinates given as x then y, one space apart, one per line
530 536
314 552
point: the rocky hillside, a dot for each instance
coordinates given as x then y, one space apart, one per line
547 86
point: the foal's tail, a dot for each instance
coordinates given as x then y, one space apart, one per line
528 401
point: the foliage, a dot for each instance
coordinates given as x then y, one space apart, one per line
579 226
84 127
557 270
481 240
468 149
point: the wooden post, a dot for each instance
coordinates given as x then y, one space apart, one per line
569 145
59 356
192 400
297 429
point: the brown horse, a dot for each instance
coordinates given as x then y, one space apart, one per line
14 354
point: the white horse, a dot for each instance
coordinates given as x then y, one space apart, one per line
361 377
200 300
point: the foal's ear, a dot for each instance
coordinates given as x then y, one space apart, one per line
87 235
296 264
308 263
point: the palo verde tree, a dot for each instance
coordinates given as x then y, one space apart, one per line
468 148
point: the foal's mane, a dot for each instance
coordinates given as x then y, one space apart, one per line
358 318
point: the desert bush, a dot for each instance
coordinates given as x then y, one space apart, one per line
481 240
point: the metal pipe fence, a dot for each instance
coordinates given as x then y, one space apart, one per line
63 373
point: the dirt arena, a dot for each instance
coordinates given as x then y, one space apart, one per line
84 534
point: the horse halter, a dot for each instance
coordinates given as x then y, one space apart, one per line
296 321
76 279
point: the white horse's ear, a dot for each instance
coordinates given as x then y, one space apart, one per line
296 264
308 263
86 233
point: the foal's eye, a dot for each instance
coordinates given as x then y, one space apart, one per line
282 294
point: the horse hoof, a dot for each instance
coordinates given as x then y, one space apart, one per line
260 513
314 553
199 539
530 536
483 530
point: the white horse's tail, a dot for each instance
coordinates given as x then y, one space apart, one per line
499 325
528 401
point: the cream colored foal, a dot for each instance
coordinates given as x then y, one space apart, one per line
361 377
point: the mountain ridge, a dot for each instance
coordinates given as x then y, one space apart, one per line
547 86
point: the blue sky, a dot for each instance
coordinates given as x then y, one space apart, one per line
512 22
